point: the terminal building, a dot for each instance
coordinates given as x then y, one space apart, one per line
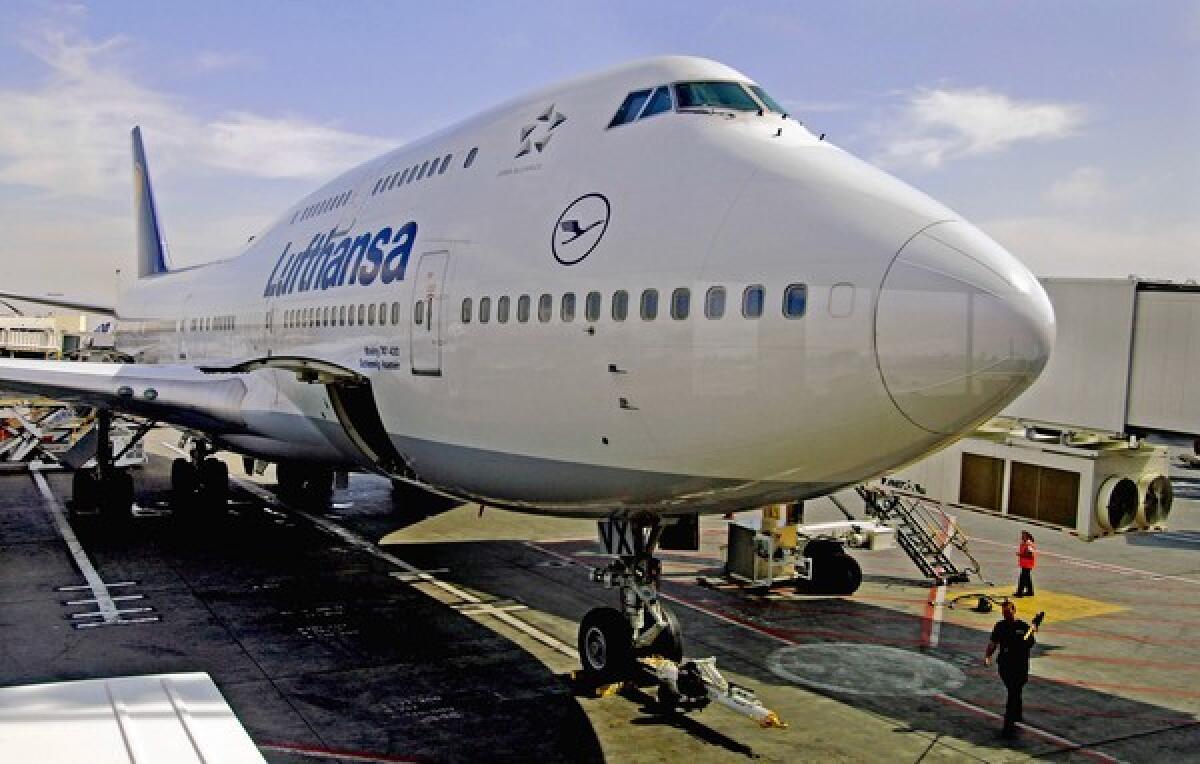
1085 448
41 336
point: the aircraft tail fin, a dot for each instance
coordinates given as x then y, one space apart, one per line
151 245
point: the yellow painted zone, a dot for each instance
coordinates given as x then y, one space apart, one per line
1059 607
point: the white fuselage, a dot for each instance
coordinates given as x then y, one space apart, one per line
915 327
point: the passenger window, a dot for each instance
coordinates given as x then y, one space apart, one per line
466 310
795 300
325 317
419 312
681 303
470 158
620 305
362 315
659 102
752 301
342 316
630 107
591 306
445 164
649 304
523 308
502 309
485 309
395 314
383 314
371 314
545 307
568 307
714 302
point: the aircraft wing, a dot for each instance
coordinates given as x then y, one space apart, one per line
56 301
179 395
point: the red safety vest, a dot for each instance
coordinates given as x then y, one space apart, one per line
1027 555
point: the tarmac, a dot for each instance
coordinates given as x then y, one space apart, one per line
371 632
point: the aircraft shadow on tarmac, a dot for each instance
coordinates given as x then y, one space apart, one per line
311 641
1169 540
855 640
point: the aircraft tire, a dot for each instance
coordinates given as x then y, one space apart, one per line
606 645
214 482
838 574
85 492
116 495
184 482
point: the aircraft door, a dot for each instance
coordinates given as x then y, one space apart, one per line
425 321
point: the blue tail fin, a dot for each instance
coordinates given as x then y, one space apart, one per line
151 245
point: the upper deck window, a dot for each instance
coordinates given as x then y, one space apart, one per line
714 95
768 101
630 108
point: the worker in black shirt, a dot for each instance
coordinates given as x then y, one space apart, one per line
1014 639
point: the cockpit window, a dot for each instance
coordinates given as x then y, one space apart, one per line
659 102
768 101
714 95
630 108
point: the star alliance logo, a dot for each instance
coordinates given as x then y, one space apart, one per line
537 136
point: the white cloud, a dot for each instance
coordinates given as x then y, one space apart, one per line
1084 187
1098 246
218 60
70 134
942 124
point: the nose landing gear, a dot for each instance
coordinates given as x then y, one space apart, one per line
643 638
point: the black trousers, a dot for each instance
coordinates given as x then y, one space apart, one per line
1014 681
1025 582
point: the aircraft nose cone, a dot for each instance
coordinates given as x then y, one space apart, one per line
961 328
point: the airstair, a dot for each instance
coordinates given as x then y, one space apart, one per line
926 533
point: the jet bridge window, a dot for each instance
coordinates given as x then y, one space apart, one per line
630 108
545 308
795 300
752 301
714 95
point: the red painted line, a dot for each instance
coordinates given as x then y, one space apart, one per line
334 753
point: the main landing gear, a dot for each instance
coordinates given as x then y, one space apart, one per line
105 488
200 480
643 638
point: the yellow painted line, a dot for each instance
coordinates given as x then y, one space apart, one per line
1059 606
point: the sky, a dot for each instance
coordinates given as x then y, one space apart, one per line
1069 131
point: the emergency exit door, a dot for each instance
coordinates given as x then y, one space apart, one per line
425 328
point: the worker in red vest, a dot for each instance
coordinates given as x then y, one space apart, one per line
1027 559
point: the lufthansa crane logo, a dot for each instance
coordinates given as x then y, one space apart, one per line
536 136
579 228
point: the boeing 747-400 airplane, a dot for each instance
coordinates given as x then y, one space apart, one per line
644 295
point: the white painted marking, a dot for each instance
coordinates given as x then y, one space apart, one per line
1080 562
353 539
103 599
939 602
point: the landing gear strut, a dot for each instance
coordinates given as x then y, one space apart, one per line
200 479
644 636
104 488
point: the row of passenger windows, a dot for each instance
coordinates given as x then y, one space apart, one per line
795 301
209 324
342 315
320 208
426 169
